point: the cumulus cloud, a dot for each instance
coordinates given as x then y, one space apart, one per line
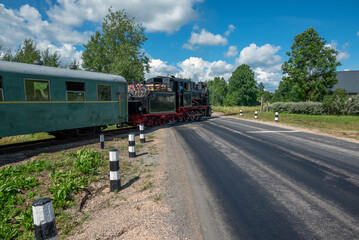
232 52
204 38
231 28
156 15
255 56
161 68
195 68
358 33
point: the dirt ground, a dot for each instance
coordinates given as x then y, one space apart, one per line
151 206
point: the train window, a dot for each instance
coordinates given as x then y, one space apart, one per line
37 90
75 91
1 91
103 92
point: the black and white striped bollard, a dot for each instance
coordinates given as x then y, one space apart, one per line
102 141
255 114
276 117
142 133
115 178
240 112
44 219
131 145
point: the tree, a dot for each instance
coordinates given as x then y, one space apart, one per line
27 53
49 59
260 89
242 88
117 48
311 67
218 89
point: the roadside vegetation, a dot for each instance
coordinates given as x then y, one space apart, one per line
337 125
63 177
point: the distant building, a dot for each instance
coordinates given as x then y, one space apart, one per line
348 80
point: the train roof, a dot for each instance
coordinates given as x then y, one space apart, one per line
24 68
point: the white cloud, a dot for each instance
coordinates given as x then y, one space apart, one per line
195 68
161 68
232 52
156 15
255 56
200 70
342 54
204 38
358 33
231 28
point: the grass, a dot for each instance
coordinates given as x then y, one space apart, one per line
147 186
59 179
25 138
341 126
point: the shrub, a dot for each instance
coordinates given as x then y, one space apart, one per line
335 103
312 108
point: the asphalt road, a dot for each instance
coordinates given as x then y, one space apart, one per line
255 181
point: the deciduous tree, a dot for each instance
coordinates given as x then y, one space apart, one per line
117 47
242 88
311 66
218 89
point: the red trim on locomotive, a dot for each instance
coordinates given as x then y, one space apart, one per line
181 114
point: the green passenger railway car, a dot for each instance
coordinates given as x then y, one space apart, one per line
63 102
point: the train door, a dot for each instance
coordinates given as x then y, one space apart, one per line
122 101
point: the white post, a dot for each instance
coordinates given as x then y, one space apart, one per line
240 112
255 114
131 145
102 141
142 133
276 117
115 178
44 219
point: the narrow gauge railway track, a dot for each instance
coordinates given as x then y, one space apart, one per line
32 145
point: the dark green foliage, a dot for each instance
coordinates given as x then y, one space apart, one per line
218 89
28 53
287 92
311 68
242 88
51 60
117 48
267 96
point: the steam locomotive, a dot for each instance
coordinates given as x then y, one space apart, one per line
167 99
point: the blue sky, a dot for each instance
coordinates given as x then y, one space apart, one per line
199 39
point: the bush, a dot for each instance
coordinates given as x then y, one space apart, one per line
312 108
335 103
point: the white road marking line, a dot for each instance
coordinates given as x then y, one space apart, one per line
268 131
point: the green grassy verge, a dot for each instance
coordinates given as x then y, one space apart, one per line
59 177
341 126
25 138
